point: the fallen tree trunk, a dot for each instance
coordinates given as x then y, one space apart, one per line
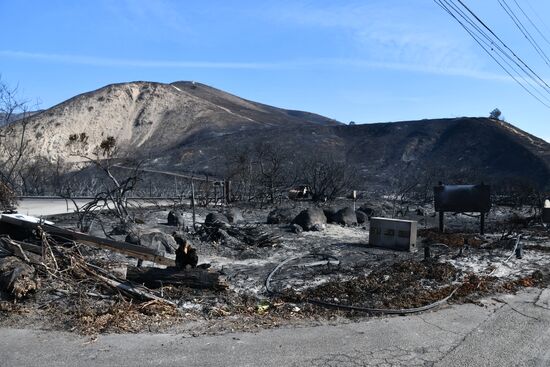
129 249
192 278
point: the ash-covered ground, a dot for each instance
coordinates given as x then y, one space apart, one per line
335 266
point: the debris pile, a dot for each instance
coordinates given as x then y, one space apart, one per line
239 236
17 277
403 285
64 279
82 287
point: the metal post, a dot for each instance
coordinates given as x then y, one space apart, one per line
441 222
427 252
193 202
519 250
215 194
227 191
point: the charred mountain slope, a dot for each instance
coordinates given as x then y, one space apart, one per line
454 150
474 148
190 126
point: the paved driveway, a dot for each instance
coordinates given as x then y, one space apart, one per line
505 331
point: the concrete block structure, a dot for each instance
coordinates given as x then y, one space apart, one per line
395 234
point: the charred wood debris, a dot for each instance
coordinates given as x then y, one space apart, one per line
91 280
65 269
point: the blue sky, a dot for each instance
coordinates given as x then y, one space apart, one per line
366 61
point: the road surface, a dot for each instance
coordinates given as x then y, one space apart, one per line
505 331
39 207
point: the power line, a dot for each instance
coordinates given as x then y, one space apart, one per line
531 22
490 44
524 30
503 43
488 47
540 19
498 50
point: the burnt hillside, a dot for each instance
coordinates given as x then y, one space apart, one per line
187 126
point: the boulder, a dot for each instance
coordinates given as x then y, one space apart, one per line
227 240
175 218
132 237
280 216
295 228
234 215
216 220
309 218
346 216
362 217
180 236
330 213
370 212
158 241
122 229
318 227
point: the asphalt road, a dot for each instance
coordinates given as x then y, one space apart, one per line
50 206
505 331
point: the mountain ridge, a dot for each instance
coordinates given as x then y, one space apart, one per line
188 124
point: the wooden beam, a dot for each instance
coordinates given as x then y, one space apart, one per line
124 248
133 290
193 278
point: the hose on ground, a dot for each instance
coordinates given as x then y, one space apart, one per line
388 311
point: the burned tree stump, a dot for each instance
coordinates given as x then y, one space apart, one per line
186 255
17 277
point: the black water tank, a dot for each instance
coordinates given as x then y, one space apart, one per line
462 198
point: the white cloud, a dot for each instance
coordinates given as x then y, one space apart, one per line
419 68
281 65
115 62
386 31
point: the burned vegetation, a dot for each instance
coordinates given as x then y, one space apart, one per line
279 235
211 269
